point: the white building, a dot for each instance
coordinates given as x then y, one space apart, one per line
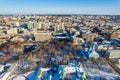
4 74
12 31
113 54
1 68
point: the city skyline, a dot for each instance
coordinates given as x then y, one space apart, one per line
101 7
59 40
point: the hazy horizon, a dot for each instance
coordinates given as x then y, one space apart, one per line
92 7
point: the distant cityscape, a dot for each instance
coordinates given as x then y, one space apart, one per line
60 47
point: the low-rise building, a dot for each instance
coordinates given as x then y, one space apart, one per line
43 36
6 70
113 53
12 31
115 35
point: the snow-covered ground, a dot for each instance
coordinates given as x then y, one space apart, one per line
27 76
100 71
54 73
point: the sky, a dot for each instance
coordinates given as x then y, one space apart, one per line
109 7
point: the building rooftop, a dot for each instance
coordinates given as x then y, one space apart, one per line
99 70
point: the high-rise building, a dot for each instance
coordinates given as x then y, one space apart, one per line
30 25
35 25
60 26
17 24
40 25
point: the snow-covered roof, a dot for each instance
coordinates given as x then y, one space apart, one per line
20 78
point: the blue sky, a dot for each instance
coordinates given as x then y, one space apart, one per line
60 7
